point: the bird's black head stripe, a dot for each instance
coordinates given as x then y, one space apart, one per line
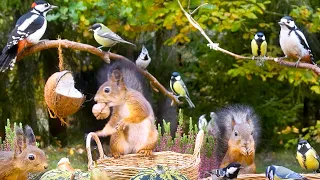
40 2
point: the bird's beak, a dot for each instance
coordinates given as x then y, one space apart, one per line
53 7
241 167
280 23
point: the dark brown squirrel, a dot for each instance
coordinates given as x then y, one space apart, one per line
236 131
27 157
132 122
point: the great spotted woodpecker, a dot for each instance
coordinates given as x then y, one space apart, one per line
28 30
293 42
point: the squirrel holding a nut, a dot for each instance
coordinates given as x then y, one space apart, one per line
236 131
132 122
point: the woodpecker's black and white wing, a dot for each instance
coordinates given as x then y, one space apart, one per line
29 24
304 43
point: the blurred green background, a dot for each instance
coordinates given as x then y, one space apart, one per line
286 99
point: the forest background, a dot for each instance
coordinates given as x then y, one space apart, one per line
286 99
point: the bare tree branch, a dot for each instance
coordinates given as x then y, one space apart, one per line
47 44
215 46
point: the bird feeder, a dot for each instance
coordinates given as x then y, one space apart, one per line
62 98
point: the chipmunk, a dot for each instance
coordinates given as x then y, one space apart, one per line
27 157
236 131
132 122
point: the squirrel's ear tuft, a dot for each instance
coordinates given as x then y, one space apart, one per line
117 74
30 137
19 141
233 121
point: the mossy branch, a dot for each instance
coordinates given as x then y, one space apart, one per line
105 56
215 46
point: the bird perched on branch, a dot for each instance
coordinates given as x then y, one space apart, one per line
307 156
105 37
144 59
229 172
179 88
274 172
259 45
293 42
29 29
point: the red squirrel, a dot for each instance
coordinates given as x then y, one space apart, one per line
236 131
132 122
27 157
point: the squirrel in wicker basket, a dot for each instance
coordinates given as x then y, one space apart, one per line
236 132
132 122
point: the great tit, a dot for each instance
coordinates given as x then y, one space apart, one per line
144 59
259 45
307 156
274 172
105 37
229 172
179 88
293 42
202 123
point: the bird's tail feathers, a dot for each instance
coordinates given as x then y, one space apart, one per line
124 41
8 58
312 57
190 102
217 172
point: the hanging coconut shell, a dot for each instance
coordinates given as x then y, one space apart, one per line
62 98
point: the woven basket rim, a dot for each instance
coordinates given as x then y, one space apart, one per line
102 156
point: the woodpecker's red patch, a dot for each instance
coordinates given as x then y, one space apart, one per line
23 44
33 4
305 59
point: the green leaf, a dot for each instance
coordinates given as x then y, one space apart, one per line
53 17
251 15
316 89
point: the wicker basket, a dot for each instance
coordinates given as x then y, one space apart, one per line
129 165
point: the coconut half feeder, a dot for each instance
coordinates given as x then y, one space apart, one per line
62 98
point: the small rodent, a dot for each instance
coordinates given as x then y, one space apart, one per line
236 131
27 157
132 122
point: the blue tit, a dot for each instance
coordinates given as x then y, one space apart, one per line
105 37
144 59
229 172
179 88
307 156
293 42
274 172
259 45
202 123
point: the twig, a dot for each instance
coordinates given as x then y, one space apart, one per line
215 46
47 44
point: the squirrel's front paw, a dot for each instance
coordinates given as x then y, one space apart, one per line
121 126
145 152
106 131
